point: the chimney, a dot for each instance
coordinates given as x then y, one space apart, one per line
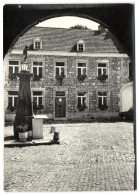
102 29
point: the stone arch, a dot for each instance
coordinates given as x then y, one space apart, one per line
126 97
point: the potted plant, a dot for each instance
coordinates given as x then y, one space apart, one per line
11 108
37 77
60 78
23 132
102 77
38 109
103 107
81 77
81 107
13 76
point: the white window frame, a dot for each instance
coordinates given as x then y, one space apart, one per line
38 66
80 42
102 68
81 61
37 96
13 66
82 97
37 40
103 96
13 98
65 67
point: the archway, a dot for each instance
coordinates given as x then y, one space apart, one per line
126 97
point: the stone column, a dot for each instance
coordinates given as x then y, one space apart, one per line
24 102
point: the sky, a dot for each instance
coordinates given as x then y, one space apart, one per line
68 21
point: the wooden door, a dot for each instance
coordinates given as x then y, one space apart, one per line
60 107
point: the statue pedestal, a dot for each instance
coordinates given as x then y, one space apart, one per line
24 102
38 126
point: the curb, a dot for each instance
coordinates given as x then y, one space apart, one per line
20 144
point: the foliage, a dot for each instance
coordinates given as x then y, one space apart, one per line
81 107
103 107
37 77
22 128
13 76
81 77
36 108
11 108
80 27
59 77
102 77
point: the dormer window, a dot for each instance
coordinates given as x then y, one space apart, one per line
37 43
80 45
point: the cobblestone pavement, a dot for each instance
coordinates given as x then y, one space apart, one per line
91 157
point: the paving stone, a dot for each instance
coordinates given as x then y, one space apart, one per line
91 157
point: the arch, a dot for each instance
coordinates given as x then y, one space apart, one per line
126 97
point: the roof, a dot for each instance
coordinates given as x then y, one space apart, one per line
61 39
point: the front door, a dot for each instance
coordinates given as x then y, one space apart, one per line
60 107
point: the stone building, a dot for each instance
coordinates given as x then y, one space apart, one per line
77 73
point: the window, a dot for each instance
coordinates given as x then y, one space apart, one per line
60 93
102 69
37 70
102 100
80 45
81 69
81 99
37 98
60 68
37 43
13 66
12 98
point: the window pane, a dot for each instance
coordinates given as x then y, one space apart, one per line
37 63
9 101
15 101
16 69
37 45
80 47
79 100
100 101
99 71
60 63
35 70
10 70
40 101
105 101
62 71
104 71
105 93
84 100
13 92
60 93
81 64
84 71
57 71
81 93
14 62
37 93
101 65
79 71
40 71
34 101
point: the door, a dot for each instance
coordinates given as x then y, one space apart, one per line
127 98
60 107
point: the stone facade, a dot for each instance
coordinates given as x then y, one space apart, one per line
118 76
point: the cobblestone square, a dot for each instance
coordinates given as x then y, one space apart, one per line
90 157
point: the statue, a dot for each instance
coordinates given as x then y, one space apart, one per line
24 65
25 53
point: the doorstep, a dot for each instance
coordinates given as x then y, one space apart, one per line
34 142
